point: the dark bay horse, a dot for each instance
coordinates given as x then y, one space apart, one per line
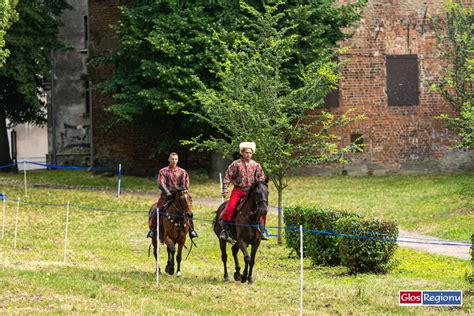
174 226
245 230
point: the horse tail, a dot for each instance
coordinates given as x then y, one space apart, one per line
149 247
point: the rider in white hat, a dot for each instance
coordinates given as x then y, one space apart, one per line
242 173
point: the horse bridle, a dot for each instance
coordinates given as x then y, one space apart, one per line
184 213
258 202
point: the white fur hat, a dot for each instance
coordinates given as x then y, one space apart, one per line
249 145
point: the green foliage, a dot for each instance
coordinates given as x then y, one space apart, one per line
8 16
168 48
470 274
323 249
369 245
257 101
322 246
293 218
454 31
164 44
361 251
30 42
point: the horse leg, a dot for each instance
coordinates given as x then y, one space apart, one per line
171 251
235 252
223 246
154 242
178 257
253 253
243 247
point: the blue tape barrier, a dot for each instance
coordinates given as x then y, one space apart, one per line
56 166
313 231
7 166
3 197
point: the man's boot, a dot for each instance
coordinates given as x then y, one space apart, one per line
225 231
263 233
151 233
192 232
152 224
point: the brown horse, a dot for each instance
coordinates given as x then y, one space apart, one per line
174 226
245 230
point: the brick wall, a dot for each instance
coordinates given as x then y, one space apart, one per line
132 146
395 136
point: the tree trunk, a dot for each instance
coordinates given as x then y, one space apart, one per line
4 146
280 215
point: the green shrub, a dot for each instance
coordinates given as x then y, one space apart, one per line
293 218
369 246
470 274
322 246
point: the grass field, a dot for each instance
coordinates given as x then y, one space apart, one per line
108 270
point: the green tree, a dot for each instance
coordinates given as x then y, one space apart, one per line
168 46
8 16
30 41
256 101
455 32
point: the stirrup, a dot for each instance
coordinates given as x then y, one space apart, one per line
264 237
193 234
224 235
151 233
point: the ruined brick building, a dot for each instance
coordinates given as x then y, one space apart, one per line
391 59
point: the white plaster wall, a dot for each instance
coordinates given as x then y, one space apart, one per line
32 144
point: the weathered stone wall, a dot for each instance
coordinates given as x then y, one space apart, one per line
69 128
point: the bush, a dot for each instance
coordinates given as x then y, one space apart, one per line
369 246
470 274
293 218
320 246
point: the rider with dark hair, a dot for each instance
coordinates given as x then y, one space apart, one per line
169 180
242 173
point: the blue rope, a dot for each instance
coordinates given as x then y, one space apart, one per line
56 166
7 166
289 228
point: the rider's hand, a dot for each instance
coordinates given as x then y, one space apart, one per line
224 194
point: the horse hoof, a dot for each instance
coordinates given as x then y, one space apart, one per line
178 274
244 279
250 280
237 276
226 279
169 270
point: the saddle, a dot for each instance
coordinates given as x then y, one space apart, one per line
237 209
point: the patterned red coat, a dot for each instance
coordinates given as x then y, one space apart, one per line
171 178
242 174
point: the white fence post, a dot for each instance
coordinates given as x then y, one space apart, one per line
301 269
24 177
119 188
16 222
66 235
157 246
4 206
220 179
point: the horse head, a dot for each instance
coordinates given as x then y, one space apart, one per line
260 191
183 202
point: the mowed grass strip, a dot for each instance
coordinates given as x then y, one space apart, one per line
109 269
